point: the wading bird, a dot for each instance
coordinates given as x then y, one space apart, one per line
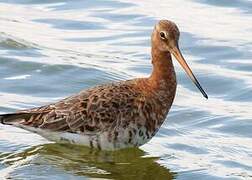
117 115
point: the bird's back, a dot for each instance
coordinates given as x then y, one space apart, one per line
110 116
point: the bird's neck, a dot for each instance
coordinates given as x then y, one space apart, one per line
160 87
163 74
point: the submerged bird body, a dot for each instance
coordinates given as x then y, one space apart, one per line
113 116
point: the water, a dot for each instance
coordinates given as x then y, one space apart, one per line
51 49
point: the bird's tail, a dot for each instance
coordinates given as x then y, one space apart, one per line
13 118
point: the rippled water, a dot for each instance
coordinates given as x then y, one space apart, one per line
51 49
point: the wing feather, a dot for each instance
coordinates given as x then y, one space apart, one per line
89 111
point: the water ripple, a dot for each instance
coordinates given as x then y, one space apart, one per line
51 49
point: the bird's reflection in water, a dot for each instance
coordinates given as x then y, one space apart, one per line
84 162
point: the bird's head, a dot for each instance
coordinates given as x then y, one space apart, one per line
165 38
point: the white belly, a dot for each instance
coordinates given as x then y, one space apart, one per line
99 141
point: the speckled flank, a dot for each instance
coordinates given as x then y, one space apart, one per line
111 116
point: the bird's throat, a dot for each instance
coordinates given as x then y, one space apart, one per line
163 70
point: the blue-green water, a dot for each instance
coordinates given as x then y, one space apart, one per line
52 49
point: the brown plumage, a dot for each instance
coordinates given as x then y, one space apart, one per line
116 115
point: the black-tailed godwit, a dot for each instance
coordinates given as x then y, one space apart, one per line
117 115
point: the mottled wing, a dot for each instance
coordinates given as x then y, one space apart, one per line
65 115
90 111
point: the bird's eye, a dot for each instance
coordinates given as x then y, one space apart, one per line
162 35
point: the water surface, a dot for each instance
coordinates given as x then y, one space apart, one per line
52 49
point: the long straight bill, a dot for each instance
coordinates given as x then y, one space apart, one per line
176 52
